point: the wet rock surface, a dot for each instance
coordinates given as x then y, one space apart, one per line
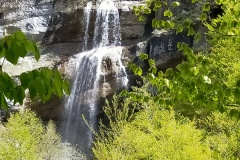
59 28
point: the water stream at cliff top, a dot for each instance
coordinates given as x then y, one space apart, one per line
82 106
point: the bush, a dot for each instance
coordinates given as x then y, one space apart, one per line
222 135
153 134
24 137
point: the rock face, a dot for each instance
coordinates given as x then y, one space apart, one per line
60 24
59 27
161 46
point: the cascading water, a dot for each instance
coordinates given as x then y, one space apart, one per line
86 88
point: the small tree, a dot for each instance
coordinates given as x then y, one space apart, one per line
41 83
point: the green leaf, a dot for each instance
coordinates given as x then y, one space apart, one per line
206 7
187 23
179 29
210 28
24 79
176 4
190 31
203 17
19 49
32 89
20 95
151 63
223 26
168 13
3 102
32 48
65 87
218 2
12 56
2 53
19 36
143 56
183 67
48 90
169 72
138 71
57 84
141 18
40 88
197 37
195 71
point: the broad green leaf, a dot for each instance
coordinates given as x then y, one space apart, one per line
40 88
203 17
12 56
138 71
19 36
218 2
195 71
32 47
176 4
190 31
169 72
19 49
32 89
20 95
57 84
141 18
48 90
168 13
187 23
147 10
3 102
1 49
65 87
183 67
206 7
179 29
24 79
151 62
143 56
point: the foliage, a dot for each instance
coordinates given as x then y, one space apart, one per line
153 134
146 120
41 83
24 137
222 135
207 81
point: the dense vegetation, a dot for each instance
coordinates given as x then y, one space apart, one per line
25 137
188 112
41 83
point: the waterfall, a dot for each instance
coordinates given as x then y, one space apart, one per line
89 77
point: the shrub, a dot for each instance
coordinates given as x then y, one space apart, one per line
222 135
153 134
24 137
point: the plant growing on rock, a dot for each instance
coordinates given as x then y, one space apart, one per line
41 83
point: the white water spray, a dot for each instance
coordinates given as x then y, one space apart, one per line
85 92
